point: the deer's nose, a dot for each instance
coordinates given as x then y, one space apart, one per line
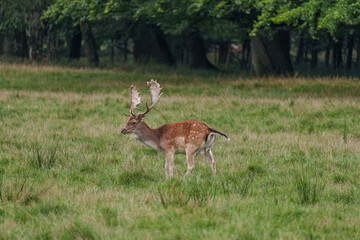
123 131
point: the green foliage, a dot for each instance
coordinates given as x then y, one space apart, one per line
78 10
14 12
310 15
108 24
10 17
175 17
178 16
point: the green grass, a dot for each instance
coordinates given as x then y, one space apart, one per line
291 169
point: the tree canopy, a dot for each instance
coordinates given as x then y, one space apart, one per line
309 15
186 31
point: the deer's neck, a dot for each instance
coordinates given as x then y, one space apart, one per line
147 135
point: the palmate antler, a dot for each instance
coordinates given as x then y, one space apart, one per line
154 90
135 99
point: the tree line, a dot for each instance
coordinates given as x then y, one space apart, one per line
264 36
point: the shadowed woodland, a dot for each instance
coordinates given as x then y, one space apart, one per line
257 37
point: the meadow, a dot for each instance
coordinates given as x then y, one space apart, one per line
290 171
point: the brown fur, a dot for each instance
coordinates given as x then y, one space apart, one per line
190 137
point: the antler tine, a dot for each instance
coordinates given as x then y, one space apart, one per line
154 90
135 99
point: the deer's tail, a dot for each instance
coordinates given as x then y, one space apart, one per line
219 133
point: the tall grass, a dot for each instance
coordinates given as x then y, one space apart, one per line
42 157
290 170
308 191
200 192
22 191
193 191
345 131
238 184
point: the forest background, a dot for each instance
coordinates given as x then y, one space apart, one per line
261 37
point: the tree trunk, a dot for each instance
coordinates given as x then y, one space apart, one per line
300 49
8 46
223 52
215 57
181 55
52 41
125 50
165 53
245 52
244 49
229 57
337 54
248 53
22 50
306 54
358 53
314 54
271 56
350 47
34 34
327 55
197 52
1 45
75 44
150 44
186 56
89 43
111 51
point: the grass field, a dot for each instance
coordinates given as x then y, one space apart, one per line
290 171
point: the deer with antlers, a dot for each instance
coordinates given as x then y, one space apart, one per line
190 137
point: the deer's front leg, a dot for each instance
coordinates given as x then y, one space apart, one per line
169 164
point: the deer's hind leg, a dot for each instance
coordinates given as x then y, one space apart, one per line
210 158
208 152
190 158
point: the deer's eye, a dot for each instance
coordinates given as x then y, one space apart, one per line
133 123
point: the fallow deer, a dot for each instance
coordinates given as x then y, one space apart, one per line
190 137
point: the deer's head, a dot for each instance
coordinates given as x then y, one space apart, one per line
136 119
